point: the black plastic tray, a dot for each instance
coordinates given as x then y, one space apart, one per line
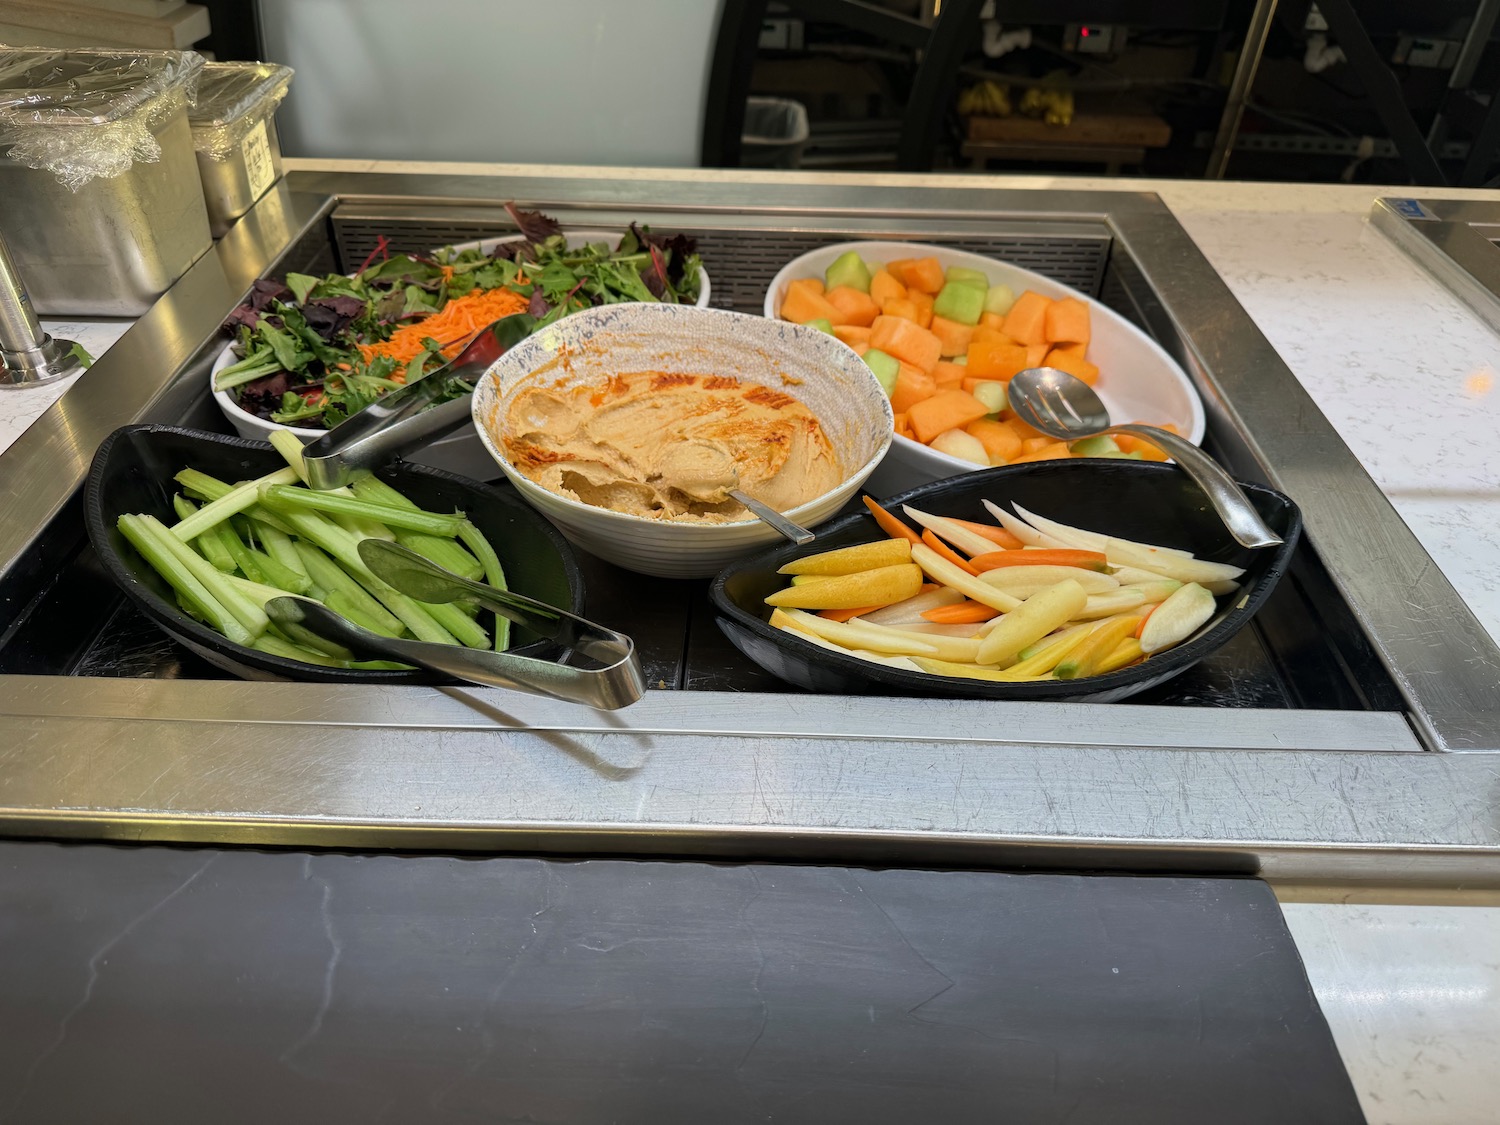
132 473
1133 500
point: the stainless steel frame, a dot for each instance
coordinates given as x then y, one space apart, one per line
1455 240
1290 794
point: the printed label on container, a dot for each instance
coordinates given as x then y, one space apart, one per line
1412 209
258 167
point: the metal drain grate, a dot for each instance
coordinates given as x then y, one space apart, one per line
741 263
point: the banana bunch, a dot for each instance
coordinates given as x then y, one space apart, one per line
1053 106
986 99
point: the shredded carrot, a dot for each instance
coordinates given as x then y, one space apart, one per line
889 523
453 327
946 551
960 613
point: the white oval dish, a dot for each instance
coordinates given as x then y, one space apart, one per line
807 364
1138 380
462 452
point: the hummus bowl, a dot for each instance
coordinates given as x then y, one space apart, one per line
589 348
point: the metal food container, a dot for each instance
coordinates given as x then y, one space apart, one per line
102 206
234 136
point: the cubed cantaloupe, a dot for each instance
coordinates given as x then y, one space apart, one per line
854 307
1026 323
906 340
945 410
913 385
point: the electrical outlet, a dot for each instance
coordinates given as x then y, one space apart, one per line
1421 50
1094 38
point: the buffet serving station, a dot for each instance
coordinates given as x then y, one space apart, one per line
1351 733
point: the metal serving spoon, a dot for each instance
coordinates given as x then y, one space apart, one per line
615 680
1063 406
707 473
372 437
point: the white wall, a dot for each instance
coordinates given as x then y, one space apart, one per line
537 81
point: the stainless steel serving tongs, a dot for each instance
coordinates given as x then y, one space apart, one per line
402 421
611 679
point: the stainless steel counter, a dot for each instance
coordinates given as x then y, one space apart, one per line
1294 794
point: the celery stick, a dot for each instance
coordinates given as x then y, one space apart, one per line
346 607
445 552
302 635
457 622
257 592
472 538
327 574
208 543
280 498
364 529
278 545
376 491
273 645
250 615
290 447
274 574
342 546
236 500
189 588
211 489
244 560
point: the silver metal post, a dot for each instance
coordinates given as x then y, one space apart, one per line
1239 88
28 356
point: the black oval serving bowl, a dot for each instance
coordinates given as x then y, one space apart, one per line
132 473
1148 502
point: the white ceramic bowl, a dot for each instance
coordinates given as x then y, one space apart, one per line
818 370
1138 380
462 452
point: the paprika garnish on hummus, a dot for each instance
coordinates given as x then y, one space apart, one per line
669 446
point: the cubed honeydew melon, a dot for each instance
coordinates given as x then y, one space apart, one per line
848 269
821 323
992 394
885 367
959 302
958 275
998 299
964 446
1100 445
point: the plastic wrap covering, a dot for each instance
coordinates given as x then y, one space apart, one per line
233 98
89 114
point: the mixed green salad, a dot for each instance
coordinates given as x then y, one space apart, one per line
312 351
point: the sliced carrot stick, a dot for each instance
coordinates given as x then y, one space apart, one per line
960 613
889 523
946 552
1088 560
1142 626
996 535
845 614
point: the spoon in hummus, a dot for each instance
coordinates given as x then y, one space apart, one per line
705 472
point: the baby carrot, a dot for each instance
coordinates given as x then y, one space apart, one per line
996 535
960 613
946 551
889 523
1088 560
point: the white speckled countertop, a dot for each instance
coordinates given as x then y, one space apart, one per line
1411 380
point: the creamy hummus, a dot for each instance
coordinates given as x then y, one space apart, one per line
670 446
